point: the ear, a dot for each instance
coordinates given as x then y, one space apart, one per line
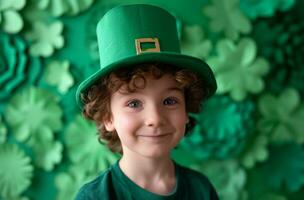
109 125
187 118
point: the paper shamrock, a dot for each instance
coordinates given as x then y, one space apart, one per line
221 128
193 42
10 20
282 116
57 74
45 38
34 116
226 16
83 147
255 151
16 171
264 8
69 7
237 69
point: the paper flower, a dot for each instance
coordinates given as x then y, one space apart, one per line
45 38
264 8
285 167
69 7
68 183
3 131
282 116
33 114
16 67
10 19
15 171
57 74
83 147
193 42
226 16
256 151
237 70
221 129
227 177
282 46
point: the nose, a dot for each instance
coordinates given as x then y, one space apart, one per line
155 116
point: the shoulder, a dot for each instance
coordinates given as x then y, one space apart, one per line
100 187
197 182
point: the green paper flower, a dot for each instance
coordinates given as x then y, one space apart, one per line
226 16
69 7
237 70
10 19
264 8
193 42
57 74
256 151
33 114
68 183
221 128
282 116
16 67
45 38
282 46
83 147
15 171
227 177
3 131
47 154
285 167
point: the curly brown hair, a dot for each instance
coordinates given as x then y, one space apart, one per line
97 99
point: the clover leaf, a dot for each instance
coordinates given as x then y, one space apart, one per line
45 38
57 74
16 171
264 8
193 42
10 20
58 8
226 16
256 151
237 70
282 116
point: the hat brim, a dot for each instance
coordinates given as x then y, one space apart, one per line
179 60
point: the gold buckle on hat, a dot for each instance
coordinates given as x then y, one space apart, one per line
139 41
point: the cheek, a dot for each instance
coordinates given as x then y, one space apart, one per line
125 123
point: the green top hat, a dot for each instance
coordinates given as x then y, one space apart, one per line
134 34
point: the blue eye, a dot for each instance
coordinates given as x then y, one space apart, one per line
134 104
170 101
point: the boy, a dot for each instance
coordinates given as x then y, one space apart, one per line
140 100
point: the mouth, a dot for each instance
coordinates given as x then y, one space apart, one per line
154 135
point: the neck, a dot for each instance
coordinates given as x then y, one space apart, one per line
154 174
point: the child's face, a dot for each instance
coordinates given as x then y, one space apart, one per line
150 121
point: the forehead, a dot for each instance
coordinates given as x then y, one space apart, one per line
148 83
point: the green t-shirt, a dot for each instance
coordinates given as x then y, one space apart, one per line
113 184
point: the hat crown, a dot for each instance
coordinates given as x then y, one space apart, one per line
125 30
